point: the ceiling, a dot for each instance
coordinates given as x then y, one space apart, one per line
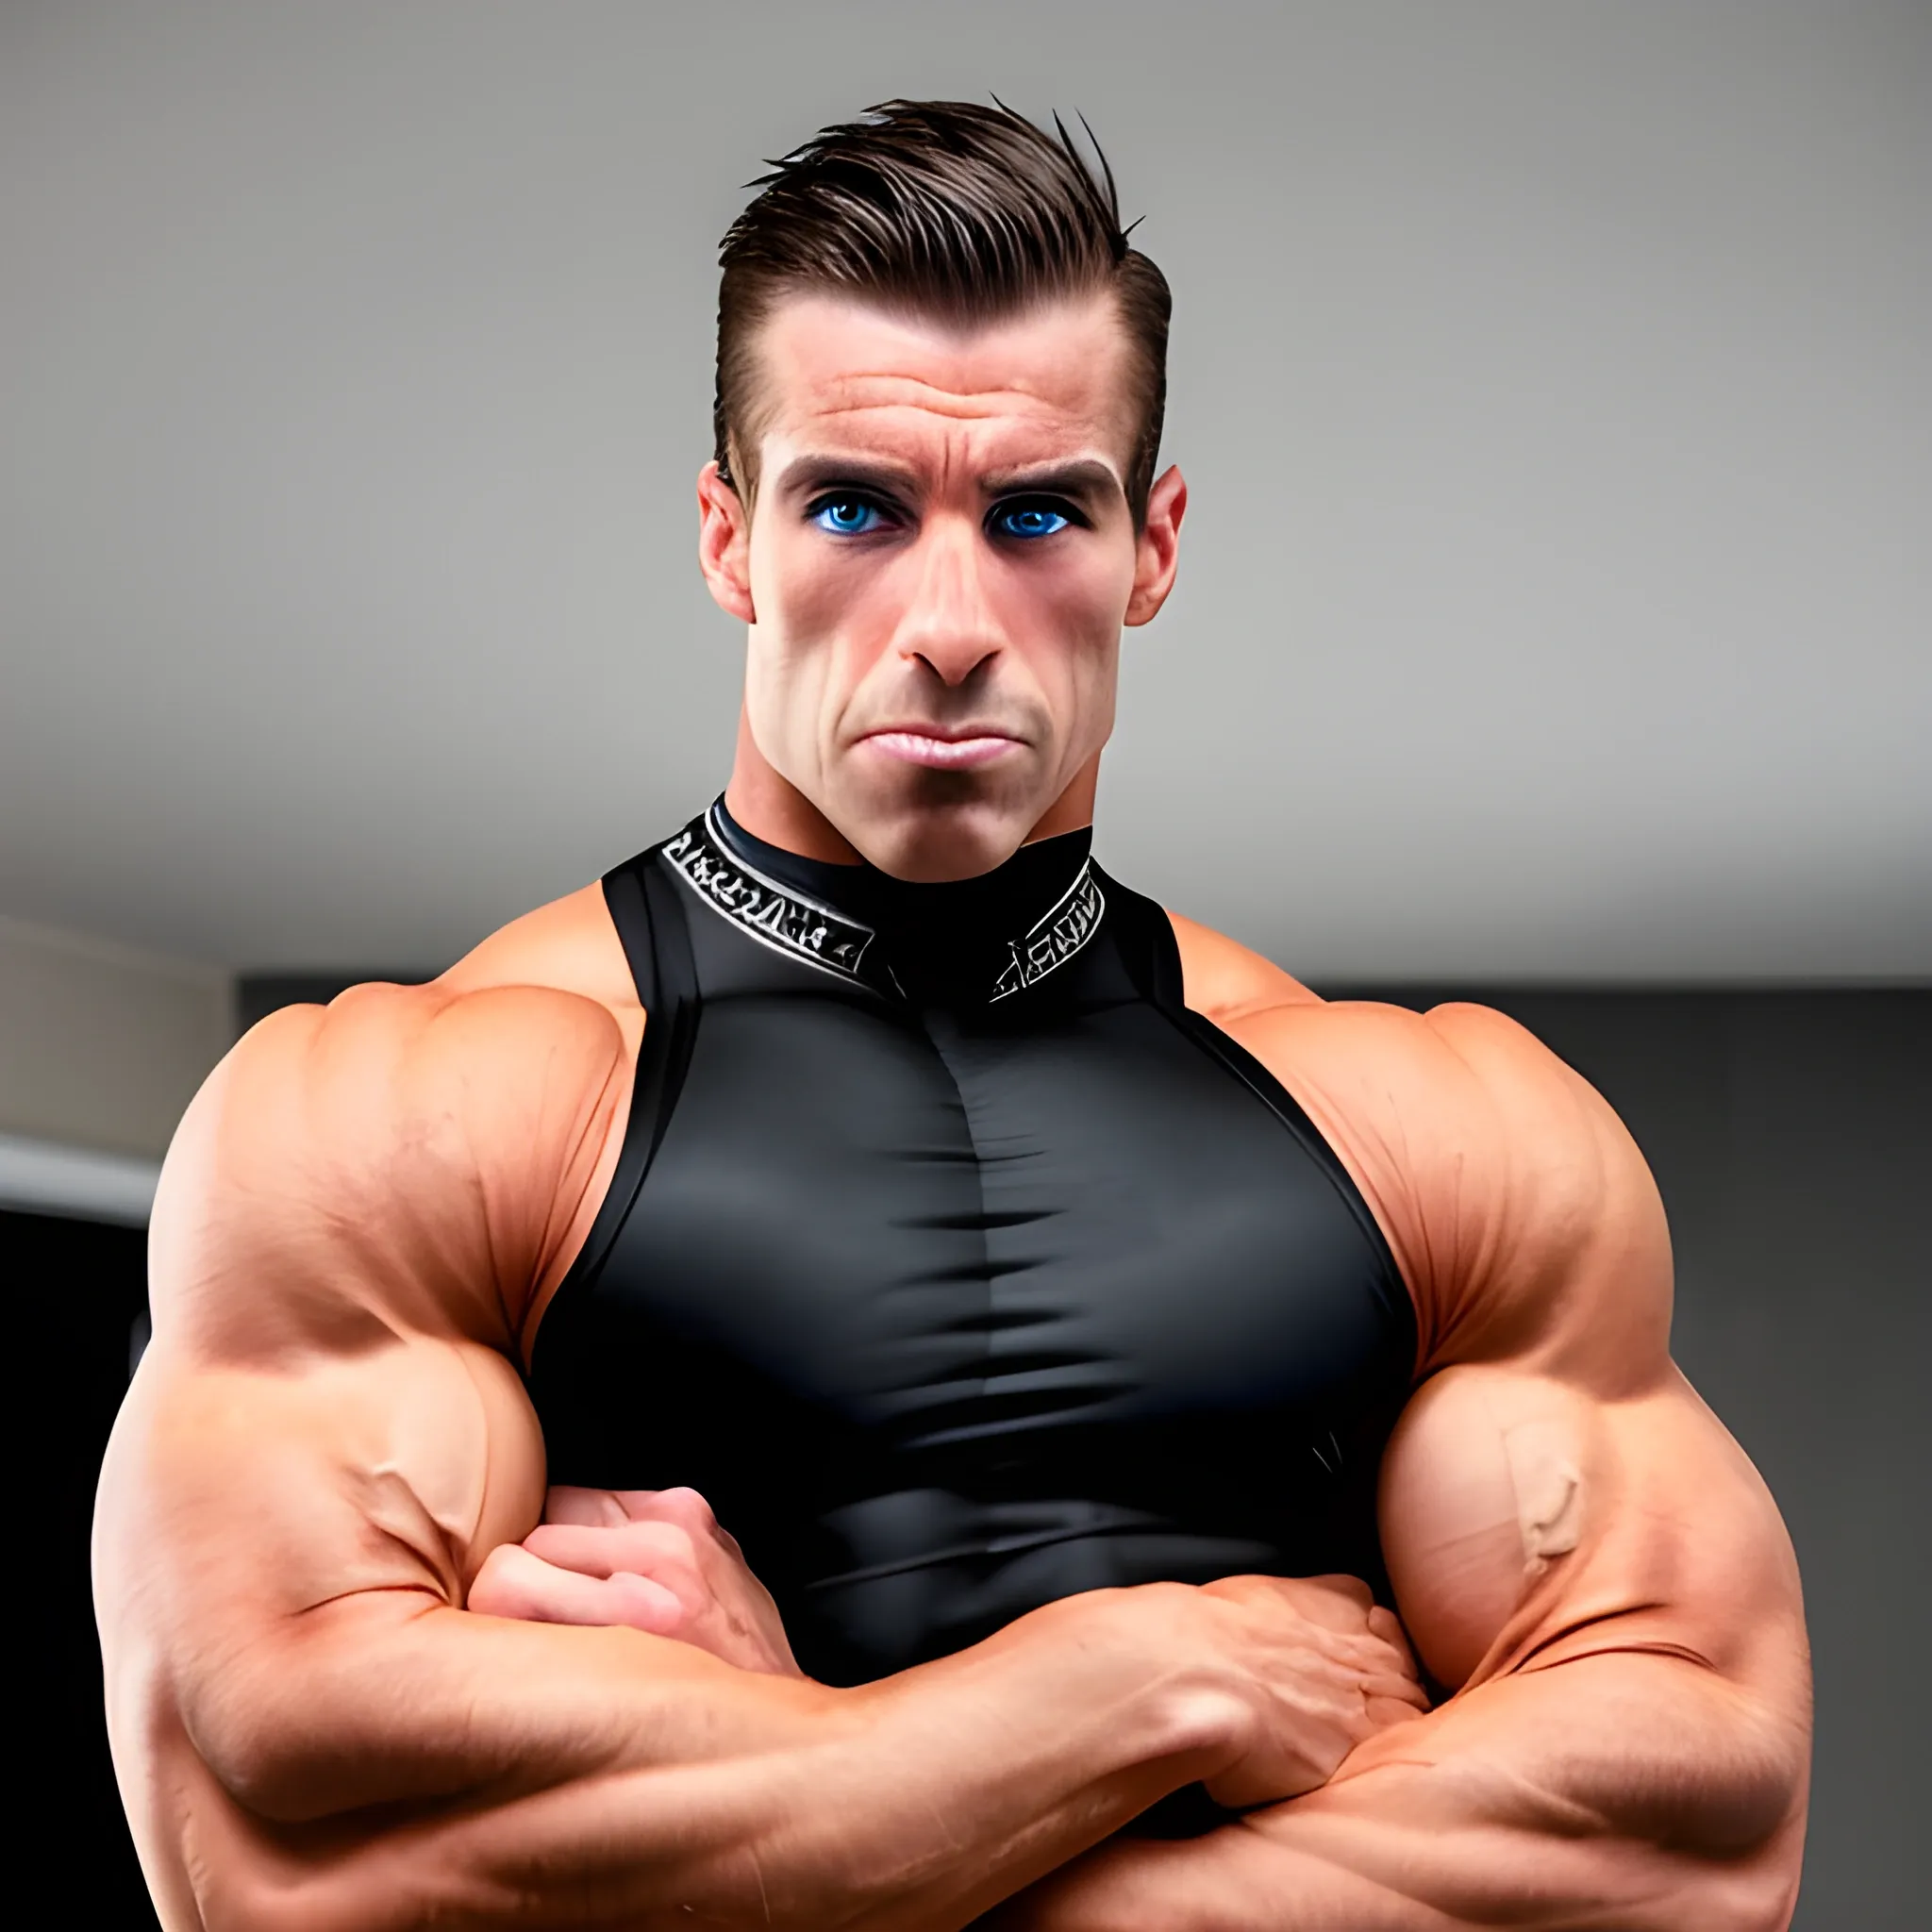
1552 383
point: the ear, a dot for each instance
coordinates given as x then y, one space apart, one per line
724 545
1156 550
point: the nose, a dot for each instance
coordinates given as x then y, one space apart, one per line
949 624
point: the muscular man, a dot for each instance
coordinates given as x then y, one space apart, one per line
1079 1325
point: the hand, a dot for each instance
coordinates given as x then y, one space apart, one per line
654 1559
1317 1668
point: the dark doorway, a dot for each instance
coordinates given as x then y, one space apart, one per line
78 1291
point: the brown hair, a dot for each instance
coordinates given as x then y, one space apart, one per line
942 208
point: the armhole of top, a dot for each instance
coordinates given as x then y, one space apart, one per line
1152 958
649 915
623 899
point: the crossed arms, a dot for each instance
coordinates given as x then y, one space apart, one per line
328 1438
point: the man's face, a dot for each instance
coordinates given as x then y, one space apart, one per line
936 564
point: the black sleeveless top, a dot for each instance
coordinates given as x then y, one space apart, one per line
960 1264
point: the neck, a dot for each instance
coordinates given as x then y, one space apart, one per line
771 809
963 942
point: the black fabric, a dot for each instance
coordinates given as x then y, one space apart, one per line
947 942
954 1300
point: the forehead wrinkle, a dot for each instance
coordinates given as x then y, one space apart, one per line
861 407
852 377
959 413
851 395
1037 438
1074 391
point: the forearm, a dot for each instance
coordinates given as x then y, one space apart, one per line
534 1774
1634 1786
310 1734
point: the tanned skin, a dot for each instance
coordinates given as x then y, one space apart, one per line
354 1682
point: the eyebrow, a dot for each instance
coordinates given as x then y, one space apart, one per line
1085 476
806 474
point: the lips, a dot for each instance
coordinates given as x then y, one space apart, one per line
942 751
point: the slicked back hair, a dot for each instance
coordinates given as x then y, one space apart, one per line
937 208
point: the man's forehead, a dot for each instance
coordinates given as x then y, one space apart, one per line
1042 386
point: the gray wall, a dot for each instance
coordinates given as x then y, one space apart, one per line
1554 382
101 1045
1792 1136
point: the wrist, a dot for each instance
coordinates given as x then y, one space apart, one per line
1196 1714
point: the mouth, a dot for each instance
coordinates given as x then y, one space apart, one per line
942 750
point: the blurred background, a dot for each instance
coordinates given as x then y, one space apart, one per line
1555 626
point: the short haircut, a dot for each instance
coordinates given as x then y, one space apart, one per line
938 209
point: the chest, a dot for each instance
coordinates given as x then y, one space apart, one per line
948 1322
921 1232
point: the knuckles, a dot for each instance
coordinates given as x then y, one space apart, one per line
1342 1605
501 1588
655 1559
683 1507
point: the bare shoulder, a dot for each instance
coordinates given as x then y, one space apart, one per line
1226 981
1519 1212
569 945
543 1009
1299 1036
440 1146
1251 998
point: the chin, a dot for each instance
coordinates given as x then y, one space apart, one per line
933 842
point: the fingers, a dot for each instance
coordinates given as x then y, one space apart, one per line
1344 1604
568 1503
513 1583
1388 1627
611 1509
683 1507
671 1538
651 1549
1351 1588
1375 1657
1396 1689
593 1508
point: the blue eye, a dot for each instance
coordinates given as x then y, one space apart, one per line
1028 520
846 516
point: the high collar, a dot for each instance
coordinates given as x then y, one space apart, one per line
966 941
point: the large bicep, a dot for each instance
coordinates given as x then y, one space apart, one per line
356 1212
1527 1523
249 1518
267 1493
327 1423
1557 1488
